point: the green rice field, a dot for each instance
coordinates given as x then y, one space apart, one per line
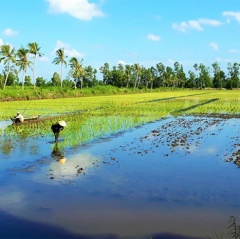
91 117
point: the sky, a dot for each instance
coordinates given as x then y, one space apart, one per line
124 31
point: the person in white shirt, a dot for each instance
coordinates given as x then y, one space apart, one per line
19 118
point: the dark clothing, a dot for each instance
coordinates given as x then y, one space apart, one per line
56 128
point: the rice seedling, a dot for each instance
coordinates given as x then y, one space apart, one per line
89 118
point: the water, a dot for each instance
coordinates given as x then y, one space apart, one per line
165 179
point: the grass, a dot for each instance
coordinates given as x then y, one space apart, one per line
92 117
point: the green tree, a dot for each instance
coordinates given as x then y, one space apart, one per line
160 70
219 76
76 71
89 78
34 49
196 67
138 72
106 73
23 62
13 78
233 72
60 59
204 76
67 83
40 81
191 80
179 75
127 74
117 76
168 77
56 80
8 56
27 81
1 79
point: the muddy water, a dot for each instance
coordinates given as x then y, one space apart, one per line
175 178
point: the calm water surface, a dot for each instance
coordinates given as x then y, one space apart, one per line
176 177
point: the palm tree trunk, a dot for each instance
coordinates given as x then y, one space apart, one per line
135 84
61 73
34 73
23 78
127 82
6 76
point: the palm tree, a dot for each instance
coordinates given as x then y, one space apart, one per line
7 55
137 68
76 71
34 49
23 62
60 59
127 74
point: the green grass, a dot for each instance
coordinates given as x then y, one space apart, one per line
92 117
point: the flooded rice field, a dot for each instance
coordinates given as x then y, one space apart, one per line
173 178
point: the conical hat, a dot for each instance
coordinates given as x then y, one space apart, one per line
62 123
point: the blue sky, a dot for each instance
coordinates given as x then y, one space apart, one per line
126 31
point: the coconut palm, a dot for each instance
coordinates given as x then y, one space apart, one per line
127 74
23 62
76 71
60 59
137 69
34 49
7 55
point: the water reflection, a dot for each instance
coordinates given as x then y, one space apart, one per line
62 168
166 176
3 125
57 153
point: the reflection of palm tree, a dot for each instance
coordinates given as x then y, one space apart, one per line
60 59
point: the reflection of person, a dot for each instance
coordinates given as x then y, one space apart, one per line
57 127
19 118
58 155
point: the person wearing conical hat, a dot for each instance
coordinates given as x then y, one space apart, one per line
57 127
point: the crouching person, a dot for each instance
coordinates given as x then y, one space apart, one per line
57 127
19 118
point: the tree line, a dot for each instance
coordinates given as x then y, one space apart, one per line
129 76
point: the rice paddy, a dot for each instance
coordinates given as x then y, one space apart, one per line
160 165
91 117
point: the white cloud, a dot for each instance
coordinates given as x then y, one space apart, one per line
1 42
69 51
209 22
171 61
234 51
44 59
180 26
214 45
235 15
195 24
219 59
122 62
9 32
80 9
153 37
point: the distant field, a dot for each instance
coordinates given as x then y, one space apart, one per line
149 104
89 118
